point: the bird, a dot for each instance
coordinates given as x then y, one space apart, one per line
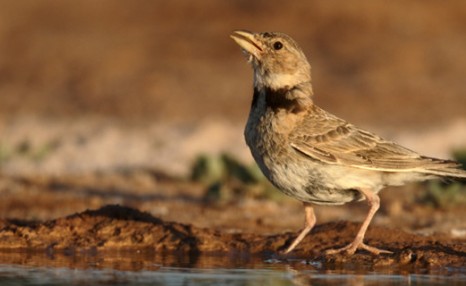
312 155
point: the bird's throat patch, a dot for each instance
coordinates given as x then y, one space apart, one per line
276 100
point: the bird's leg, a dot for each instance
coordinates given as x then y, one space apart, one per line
309 222
374 202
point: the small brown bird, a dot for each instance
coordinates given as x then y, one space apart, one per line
312 155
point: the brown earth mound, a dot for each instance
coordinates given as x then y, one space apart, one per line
115 227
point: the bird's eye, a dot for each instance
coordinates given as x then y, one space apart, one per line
277 45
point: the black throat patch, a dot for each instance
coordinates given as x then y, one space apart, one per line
277 100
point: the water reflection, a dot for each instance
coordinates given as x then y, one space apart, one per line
128 260
149 268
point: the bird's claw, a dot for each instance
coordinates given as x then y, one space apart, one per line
351 248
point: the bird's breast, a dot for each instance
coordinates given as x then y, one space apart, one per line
267 134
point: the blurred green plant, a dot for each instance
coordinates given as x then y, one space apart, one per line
36 153
460 156
5 153
227 179
444 195
42 151
449 193
25 150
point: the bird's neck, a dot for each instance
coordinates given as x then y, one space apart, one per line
275 80
293 99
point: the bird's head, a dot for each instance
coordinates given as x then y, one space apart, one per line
277 60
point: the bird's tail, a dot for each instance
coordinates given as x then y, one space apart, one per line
446 168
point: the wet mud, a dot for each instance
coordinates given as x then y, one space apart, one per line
117 228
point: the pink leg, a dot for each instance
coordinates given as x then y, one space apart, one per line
309 222
374 202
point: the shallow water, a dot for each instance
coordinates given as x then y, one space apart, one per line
21 268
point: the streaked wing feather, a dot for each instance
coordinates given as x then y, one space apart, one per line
329 139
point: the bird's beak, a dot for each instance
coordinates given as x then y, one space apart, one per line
248 42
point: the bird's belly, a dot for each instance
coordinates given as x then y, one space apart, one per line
304 180
309 184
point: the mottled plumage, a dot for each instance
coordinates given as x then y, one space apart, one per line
312 155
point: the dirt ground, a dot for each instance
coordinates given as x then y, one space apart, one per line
105 105
150 213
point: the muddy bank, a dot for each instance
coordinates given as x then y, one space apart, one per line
114 227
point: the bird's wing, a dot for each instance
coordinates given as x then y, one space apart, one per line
328 139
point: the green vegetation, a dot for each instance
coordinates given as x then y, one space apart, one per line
227 179
26 150
444 195
449 193
5 153
460 156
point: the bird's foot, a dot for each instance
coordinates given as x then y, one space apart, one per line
351 248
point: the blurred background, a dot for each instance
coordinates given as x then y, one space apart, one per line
96 85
